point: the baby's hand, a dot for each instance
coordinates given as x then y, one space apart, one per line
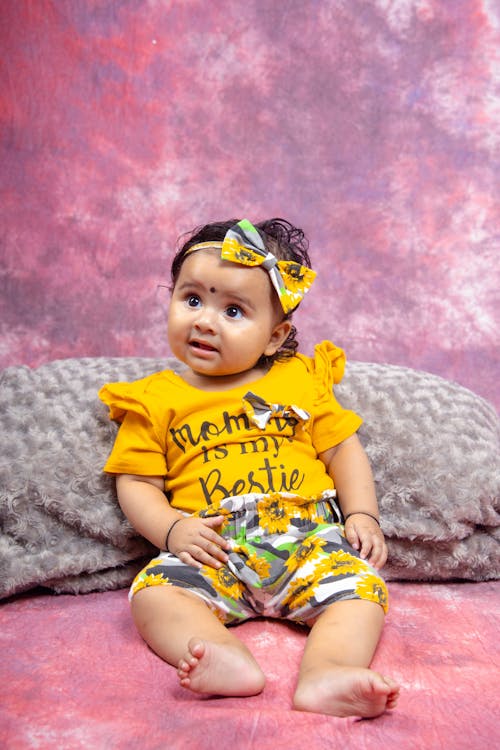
196 543
365 535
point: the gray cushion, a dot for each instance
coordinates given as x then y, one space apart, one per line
433 447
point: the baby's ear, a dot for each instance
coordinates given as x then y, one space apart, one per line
278 337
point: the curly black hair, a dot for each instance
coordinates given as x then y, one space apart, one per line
280 237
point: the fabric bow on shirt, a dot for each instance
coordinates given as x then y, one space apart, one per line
260 412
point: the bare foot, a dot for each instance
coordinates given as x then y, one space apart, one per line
219 669
346 691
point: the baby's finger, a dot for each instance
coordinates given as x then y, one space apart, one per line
352 537
214 536
378 556
366 546
376 550
215 558
188 559
198 557
212 522
215 548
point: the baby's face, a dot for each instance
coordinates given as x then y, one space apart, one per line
223 316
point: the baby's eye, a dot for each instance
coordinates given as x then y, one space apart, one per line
233 311
193 300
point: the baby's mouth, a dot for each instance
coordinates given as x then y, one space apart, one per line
203 346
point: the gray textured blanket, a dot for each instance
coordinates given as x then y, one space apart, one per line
434 448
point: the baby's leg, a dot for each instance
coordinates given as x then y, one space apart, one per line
181 629
334 677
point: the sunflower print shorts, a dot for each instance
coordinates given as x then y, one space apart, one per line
289 560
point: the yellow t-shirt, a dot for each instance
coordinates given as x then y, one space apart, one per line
262 437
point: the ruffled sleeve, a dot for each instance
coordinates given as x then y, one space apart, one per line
124 397
139 446
329 366
332 423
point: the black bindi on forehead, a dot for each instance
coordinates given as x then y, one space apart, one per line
213 289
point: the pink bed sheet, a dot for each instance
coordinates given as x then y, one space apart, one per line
74 674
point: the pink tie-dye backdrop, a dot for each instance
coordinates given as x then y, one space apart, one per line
373 125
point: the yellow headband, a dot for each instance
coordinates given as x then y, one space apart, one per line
243 244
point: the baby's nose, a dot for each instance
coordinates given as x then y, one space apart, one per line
206 319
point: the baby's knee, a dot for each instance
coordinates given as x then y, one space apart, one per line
152 601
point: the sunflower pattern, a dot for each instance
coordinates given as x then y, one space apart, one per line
276 513
310 548
243 244
289 559
258 563
223 581
299 592
371 587
145 579
273 515
341 563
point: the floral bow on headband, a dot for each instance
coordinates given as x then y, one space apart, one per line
243 244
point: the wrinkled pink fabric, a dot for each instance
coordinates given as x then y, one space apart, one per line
75 674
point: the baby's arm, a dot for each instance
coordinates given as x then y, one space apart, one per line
194 540
348 465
